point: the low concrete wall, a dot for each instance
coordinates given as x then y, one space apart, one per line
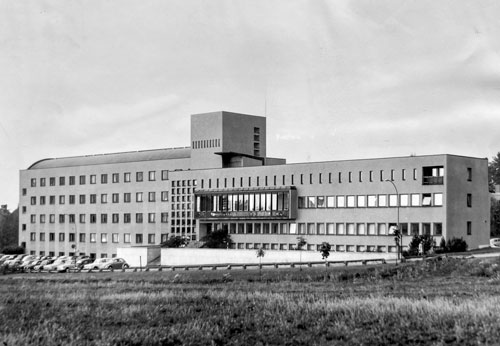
188 256
138 256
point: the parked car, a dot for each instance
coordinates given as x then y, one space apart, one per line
53 265
44 263
107 263
66 266
29 266
82 262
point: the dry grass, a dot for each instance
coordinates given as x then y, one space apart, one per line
432 303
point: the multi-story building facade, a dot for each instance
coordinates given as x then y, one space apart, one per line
98 203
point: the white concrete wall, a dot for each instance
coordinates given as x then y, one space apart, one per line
138 256
188 256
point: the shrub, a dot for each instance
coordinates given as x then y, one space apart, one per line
13 250
456 245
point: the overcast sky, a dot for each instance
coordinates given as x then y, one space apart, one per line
336 79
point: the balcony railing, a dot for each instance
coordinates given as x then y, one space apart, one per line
431 180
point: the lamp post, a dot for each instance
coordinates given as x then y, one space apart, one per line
399 235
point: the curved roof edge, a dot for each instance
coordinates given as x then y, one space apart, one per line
111 158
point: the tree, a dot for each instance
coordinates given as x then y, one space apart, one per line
301 241
495 218
9 228
325 250
219 239
260 254
494 172
175 241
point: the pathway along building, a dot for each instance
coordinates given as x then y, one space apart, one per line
95 204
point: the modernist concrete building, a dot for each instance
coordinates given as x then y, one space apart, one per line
95 204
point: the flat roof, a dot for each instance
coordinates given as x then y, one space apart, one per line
124 157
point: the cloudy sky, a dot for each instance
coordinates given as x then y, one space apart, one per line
336 79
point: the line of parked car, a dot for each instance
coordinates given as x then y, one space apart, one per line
31 263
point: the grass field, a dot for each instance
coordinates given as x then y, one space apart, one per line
451 301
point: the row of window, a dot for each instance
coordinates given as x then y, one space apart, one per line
337 228
92 237
92 179
371 201
93 198
206 143
329 178
314 247
250 201
62 253
92 218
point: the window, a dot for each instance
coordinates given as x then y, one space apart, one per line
433 175
151 238
469 227
138 218
126 177
382 229
415 200
360 229
403 174
350 229
104 198
82 199
350 177
115 197
52 218
126 237
104 237
114 237
61 199
469 200
330 201
71 218
164 217
61 237
62 181
93 237
104 178
81 237
93 218
382 200
426 199
372 201
393 200
42 236
92 179
139 176
42 200
115 178
361 201
469 174
33 200
52 200
71 199
138 197
126 217
371 229
351 201
320 201
164 196
115 218
301 202
32 236
426 228
93 199
33 218
72 180
340 201
82 180
403 200
104 218
138 238
340 228
151 217
62 218
126 197
82 218
164 175
311 202
438 199
151 196
152 175
42 218
52 181
438 229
